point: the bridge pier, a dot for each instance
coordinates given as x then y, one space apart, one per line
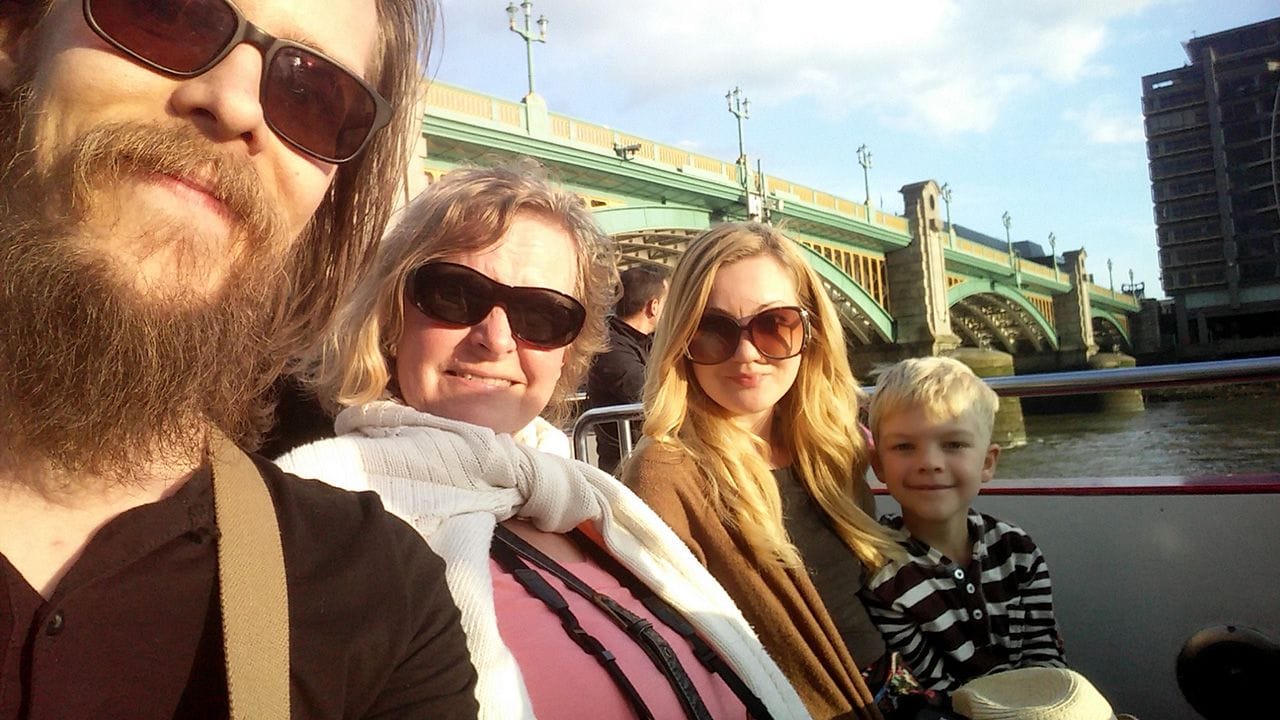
1073 323
1009 429
1144 329
917 279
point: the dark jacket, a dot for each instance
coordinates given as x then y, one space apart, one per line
617 378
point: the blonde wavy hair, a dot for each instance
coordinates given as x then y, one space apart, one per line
817 419
943 387
467 210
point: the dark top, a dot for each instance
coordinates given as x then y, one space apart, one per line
836 571
134 631
617 378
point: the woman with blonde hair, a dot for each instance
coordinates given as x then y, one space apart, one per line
486 306
752 453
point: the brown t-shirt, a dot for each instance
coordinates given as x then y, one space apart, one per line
134 631
836 572
782 604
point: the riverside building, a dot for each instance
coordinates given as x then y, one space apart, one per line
1211 140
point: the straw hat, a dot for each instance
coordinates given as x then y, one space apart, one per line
1035 693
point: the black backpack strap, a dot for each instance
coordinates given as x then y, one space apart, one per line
539 588
639 629
662 610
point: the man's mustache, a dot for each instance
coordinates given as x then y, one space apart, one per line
108 154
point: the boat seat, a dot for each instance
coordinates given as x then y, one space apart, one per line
1228 671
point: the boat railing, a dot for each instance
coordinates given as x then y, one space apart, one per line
1220 372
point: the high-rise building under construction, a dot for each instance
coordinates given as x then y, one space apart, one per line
1211 144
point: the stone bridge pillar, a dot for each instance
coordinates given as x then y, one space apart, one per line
917 277
1144 329
1073 320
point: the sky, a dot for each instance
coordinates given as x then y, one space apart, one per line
1031 107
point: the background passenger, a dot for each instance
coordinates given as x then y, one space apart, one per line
617 375
973 597
486 304
753 454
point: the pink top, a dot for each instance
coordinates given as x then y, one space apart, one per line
565 682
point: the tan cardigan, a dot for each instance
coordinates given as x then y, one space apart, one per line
781 604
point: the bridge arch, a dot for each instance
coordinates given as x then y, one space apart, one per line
1109 329
630 219
660 233
985 310
859 312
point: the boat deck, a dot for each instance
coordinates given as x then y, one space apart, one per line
1141 564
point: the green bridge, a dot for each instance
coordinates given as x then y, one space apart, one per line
904 285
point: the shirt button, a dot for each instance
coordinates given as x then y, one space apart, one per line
55 624
959 574
969 588
977 614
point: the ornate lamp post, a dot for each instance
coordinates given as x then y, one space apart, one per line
1008 241
527 31
1110 282
1053 254
945 192
740 108
864 159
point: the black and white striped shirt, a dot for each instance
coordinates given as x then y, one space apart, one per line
954 622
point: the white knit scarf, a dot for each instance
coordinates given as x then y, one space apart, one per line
454 482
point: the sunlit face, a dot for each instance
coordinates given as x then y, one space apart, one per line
482 374
164 231
933 467
749 385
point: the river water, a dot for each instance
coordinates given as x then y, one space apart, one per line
1233 431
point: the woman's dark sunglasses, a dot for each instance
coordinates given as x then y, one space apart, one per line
457 295
309 100
778 333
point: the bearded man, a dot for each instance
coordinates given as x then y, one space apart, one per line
187 187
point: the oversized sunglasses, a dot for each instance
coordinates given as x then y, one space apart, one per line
778 333
311 101
457 295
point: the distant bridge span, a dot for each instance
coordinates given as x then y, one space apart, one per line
656 198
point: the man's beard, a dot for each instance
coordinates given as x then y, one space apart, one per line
98 377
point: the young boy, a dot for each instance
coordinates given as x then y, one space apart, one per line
974 596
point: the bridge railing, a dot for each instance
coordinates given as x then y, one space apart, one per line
970 247
1041 271
600 138
1099 291
441 96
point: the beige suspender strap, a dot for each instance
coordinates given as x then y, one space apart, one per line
255 604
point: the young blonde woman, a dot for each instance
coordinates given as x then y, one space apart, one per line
753 454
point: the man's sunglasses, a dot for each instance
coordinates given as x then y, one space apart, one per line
457 295
778 333
309 100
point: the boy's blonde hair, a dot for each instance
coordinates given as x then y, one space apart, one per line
943 387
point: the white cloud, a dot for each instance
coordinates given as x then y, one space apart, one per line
1103 126
943 66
